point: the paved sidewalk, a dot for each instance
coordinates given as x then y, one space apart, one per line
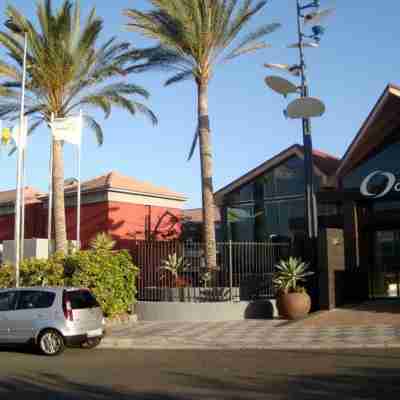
249 334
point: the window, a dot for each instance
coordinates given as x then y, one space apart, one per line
279 215
245 193
81 299
241 221
29 299
7 300
386 160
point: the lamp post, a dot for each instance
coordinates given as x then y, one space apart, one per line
305 107
20 195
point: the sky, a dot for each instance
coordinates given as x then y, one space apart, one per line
359 55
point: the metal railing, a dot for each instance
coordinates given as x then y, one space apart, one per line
245 271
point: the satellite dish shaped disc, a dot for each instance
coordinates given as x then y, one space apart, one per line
305 107
280 85
312 45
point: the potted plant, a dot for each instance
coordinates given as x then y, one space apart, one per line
176 266
293 302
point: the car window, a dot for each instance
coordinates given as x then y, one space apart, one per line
82 299
7 300
29 299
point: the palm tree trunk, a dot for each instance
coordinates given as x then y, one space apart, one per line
210 247
58 193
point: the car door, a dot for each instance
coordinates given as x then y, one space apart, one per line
32 312
7 305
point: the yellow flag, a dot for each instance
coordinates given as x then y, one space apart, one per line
5 136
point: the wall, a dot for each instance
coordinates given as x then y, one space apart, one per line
143 222
332 267
123 221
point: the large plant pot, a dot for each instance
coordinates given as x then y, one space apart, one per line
294 305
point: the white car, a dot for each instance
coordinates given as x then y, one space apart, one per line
50 318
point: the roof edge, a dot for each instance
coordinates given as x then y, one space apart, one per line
389 90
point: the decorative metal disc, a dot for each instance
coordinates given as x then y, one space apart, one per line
315 18
280 85
305 107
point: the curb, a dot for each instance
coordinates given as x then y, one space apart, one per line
122 343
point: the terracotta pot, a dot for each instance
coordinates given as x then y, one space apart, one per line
294 305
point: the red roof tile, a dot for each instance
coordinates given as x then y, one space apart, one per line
117 181
31 196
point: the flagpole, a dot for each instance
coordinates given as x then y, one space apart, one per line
78 210
50 201
25 142
17 222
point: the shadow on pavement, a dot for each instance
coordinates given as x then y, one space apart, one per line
344 383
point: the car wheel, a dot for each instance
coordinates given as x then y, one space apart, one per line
91 343
51 342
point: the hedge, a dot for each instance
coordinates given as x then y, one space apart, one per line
111 275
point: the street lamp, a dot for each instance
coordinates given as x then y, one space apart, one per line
20 192
305 107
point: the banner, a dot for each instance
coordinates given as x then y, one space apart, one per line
67 129
17 137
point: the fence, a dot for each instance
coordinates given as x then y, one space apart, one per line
245 271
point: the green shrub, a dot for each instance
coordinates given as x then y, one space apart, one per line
42 272
111 276
7 277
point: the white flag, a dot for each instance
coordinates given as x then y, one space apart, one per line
20 139
67 129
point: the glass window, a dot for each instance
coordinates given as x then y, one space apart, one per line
242 221
279 214
35 299
245 193
82 299
7 300
386 160
285 179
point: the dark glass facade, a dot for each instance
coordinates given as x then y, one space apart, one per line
269 204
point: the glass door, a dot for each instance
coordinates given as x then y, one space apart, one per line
386 270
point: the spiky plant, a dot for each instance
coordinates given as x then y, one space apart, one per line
290 274
174 264
67 70
102 241
194 36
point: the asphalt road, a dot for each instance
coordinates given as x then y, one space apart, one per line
200 375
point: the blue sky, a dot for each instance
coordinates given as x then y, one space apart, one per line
359 55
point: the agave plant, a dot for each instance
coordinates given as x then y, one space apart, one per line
175 265
290 274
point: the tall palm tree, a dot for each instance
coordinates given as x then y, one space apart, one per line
67 70
193 37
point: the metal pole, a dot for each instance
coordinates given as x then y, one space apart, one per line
310 199
23 193
78 210
17 222
312 228
230 271
50 202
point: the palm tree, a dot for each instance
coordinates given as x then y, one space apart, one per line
193 37
66 71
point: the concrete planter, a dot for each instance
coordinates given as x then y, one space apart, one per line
206 311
